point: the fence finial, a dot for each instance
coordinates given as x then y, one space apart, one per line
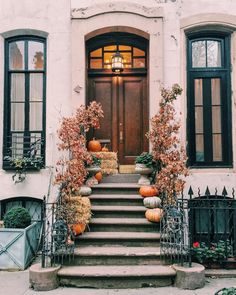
207 192
190 192
224 192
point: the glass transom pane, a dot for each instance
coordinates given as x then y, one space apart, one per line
199 54
16 55
213 53
35 56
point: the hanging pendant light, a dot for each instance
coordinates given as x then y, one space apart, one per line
117 62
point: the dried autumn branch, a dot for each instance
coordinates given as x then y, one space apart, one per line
70 170
167 152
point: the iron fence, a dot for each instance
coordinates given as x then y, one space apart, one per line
206 221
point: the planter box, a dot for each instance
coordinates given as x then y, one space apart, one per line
18 246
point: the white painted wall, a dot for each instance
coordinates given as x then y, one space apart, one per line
52 17
164 20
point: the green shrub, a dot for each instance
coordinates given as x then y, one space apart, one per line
17 217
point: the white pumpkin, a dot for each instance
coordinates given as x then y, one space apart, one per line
85 191
152 202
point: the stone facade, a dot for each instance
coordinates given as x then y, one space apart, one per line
67 26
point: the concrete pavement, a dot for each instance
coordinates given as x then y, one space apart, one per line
17 283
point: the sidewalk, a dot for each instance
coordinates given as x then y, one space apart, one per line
17 283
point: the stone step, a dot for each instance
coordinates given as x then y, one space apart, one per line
116 188
126 177
123 224
116 276
118 211
116 199
133 239
118 255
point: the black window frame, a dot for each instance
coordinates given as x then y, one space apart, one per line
7 133
224 73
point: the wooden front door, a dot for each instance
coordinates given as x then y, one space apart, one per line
125 106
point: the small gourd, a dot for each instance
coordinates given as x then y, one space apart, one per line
85 191
105 149
98 176
78 228
154 215
152 202
148 191
94 145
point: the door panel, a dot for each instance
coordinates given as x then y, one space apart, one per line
125 121
132 118
101 89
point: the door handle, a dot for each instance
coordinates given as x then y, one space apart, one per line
121 136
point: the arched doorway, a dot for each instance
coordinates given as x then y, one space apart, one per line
124 96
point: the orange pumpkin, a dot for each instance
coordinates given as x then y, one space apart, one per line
78 228
105 149
154 215
94 146
148 191
98 176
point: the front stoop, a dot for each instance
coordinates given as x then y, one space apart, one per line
121 248
117 276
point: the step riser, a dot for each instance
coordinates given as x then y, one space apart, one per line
115 191
132 178
125 227
116 282
114 202
113 243
119 214
118 260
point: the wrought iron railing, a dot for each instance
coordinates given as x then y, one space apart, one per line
207 219
56 243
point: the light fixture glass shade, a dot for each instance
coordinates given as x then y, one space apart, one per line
117 62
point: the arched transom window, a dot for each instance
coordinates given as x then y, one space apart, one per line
101 58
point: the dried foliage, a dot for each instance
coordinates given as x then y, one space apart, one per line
70 171
167 152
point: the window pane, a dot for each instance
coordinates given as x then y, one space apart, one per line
36 56
95 63
217 147
17 87
124 47
35 119
107 57
17 145
198 91
215 91
213 53
199 54
16 55
35 144
138 52
96 53
199 119
127 57
17 116
139 62
36 87
199 148
110 48
216 119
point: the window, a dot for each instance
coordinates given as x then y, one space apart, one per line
209 109
24 108
101 58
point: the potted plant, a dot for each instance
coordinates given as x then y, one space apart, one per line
18 233
93 168
144 166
